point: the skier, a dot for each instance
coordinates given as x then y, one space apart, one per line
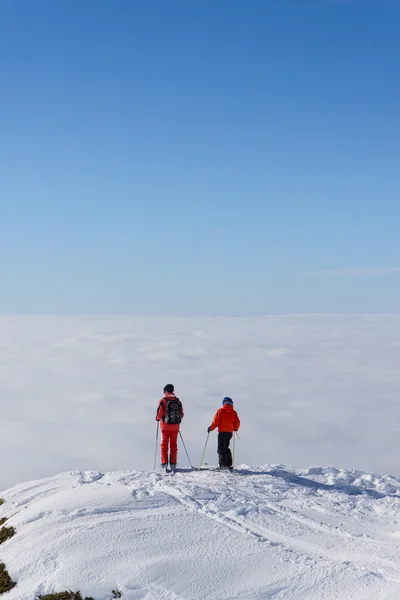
170 414
227 421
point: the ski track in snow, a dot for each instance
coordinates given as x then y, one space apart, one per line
252 501
259 533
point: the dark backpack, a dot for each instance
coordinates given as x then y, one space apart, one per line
173 411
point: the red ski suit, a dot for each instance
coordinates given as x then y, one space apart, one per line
169 431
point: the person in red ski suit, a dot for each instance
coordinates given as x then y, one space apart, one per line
228 422
169 431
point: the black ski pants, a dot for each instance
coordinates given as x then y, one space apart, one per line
224 452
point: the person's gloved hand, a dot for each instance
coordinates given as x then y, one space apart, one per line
209 429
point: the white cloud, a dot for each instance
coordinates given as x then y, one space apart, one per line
357 272
81 392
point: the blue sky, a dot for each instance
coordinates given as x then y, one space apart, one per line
203 157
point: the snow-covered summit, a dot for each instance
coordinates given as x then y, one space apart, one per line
266 532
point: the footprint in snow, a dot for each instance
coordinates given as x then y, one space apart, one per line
89 477
259 596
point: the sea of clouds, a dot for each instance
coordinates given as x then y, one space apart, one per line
82 392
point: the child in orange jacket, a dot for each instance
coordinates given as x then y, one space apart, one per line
227 421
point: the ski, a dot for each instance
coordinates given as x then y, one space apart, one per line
172 472
217 469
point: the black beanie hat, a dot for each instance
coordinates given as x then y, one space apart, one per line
169 388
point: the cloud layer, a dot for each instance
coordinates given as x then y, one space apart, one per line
81 393
357 272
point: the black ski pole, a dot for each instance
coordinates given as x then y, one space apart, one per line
235 435
155 453
190 462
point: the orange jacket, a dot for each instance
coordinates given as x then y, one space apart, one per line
226 419
161 411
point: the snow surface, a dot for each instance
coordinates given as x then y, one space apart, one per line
81 392
259 533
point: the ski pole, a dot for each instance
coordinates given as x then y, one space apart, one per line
204 451
155 453
233 452
190 462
